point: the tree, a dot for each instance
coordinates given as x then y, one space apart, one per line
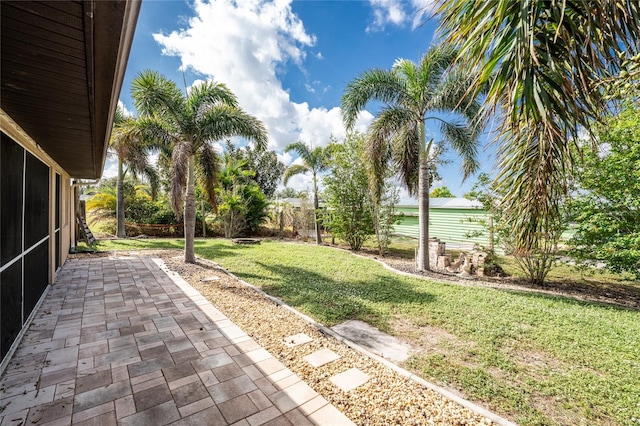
242 205
133 153
537 264
442 192
314 161
412 94
347 192
543 64
268 170
189 124
289 193
606 207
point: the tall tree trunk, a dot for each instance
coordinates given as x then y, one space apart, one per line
423 215
190 213
423 203
316 207
120 229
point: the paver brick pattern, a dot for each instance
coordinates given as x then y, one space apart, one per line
117 340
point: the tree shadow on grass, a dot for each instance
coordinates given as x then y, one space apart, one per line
332 300
216 249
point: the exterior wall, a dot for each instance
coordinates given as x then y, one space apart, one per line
35 227
449 225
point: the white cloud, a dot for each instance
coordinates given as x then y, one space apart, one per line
398 13
245 45
124 109
319 56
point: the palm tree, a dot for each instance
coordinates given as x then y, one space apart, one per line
544 63
133 153
314 161
189 123
413 93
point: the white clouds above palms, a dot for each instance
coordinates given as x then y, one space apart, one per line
245 44
399 13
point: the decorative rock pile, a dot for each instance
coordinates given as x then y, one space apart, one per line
467 264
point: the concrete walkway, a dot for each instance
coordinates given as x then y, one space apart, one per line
118 341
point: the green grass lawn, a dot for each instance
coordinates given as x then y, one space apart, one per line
538 359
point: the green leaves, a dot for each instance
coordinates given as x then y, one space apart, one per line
544 63
606 208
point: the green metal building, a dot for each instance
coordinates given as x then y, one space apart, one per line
456 221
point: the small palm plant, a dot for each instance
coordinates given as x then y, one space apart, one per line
314 161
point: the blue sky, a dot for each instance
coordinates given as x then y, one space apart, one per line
287 62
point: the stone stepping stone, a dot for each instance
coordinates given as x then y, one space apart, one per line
296 340
373 339
321 357
350 379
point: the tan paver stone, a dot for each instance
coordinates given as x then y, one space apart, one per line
30 399
151 397
149 384
99 396
208 416
259 399
194 407
321 357
62 421
329 415
228 371
262 417
269 366
212 361
51 411
350 379
189 393
89 382
237 408
296 340
287 381
185 381
231 389
156 416
81 416
125 407
297 418
106 419
65 389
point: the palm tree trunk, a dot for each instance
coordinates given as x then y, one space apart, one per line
423 204
423 215
190 213
120 229
316 207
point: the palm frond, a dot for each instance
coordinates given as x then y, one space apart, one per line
219 122
153 93
374 85
208 170
462 139
302 150
292 170
179 170
210 93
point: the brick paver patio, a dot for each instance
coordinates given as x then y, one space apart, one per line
118 341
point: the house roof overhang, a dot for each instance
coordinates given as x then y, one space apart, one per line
61 71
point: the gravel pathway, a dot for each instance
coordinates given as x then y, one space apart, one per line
387 398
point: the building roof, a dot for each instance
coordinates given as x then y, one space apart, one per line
61 71
450 203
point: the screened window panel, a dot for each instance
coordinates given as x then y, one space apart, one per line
11 168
